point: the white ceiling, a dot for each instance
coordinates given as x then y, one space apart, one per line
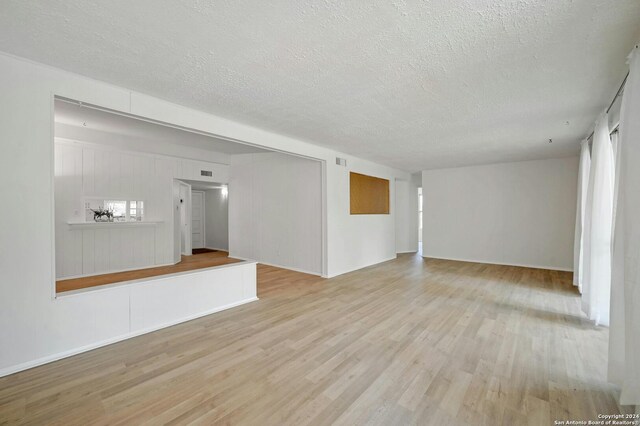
412 84
93 119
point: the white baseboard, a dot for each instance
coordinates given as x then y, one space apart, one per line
522 265
65 354
364 266
218 249
407 251
277 266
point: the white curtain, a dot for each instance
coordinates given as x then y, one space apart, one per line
596 276
583 181
615 143
614 147
624 332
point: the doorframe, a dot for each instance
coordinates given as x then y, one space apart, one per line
204 218
186 203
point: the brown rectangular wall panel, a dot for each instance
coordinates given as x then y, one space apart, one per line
369 195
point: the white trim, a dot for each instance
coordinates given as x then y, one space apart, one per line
407 251
278 266
52 193
187 206
521 265
363 267
324 230
45 360
94 225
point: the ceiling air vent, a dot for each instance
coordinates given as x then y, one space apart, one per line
341 161
206 173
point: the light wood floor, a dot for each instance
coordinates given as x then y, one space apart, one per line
405 342
187 263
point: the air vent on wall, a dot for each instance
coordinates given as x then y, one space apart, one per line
341 161
206 173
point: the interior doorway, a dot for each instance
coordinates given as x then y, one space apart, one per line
209 216
197 220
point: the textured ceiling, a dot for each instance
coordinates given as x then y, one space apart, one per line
92 119
412 84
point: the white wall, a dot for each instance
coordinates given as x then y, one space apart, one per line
217 219
89 170
352 241
406 205
77 322
133 144
357 241
416 179
275 210
31 318
519 213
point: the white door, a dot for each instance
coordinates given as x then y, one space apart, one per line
197 219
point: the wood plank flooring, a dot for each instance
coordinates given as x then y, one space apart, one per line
409 341
187 263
